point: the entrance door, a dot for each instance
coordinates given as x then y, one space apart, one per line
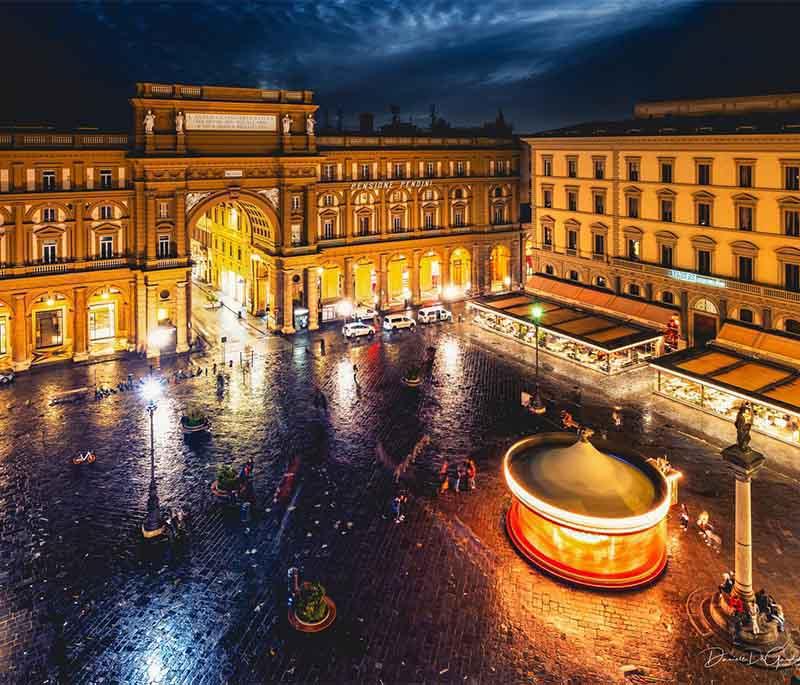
705 329
101 321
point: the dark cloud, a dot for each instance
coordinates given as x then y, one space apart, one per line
546 63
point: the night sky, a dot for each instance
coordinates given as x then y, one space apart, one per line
544 62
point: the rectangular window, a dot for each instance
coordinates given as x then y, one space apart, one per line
703 214
666 210
364 174
499 216
791 222
746 269
547 198
791 274
363 225
295 202
430 169
547 236
703 174
572 201
599 204
460 171
50 328
746 176
633 206
49 255
105 178
666 255
297 234
49 214
633 170
106 212
547 166
399 170
428 220
106 247
704 262
48 180
572 168
666 172
599 244
458 218
163 209
572 240
634 248
791 178
328 172
327 229
599 168
163 246
745 215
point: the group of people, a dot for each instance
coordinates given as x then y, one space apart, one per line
466 471
747 614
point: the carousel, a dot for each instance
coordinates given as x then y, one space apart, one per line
194 421
587 512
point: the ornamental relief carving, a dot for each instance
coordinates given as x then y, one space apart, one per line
192 199
272 195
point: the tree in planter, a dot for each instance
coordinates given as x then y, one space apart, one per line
227 478
194 417
311 606
412 374
212 298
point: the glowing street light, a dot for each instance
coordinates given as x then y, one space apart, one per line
536 314
152 525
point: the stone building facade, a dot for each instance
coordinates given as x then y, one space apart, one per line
101 233
693 206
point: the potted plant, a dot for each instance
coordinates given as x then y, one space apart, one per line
194 421
227 483
312 610
213 300
413 377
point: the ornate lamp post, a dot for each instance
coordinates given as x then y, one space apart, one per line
152 525
538 406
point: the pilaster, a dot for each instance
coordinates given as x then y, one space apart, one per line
80 345
150 219
415 291
20 325
19 235
152 320
288 303
313 277
182 323
180 223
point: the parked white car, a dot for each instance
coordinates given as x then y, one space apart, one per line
393 322
357 329
363 312
434 313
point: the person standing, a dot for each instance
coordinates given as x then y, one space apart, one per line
444 478
461 474
472 472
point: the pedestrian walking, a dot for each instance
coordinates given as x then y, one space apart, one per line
461 474
472 471
322 346
397 507
684 518
444 478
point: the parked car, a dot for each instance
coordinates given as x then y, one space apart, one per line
6 377
357 329
363 312
393 322
434 313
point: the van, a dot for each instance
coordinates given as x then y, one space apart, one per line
393 322
434 313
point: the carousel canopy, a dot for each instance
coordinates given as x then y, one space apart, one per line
580 479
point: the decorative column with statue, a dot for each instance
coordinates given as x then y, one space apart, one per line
753 621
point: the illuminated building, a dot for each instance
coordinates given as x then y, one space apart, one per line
101 233
692 207
590 516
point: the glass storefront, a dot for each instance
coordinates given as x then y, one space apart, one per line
101 321
49 328
770 420
609 361
3 336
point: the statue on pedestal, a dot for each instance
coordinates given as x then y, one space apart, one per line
149 122
310 123
744 423
286 122
179 121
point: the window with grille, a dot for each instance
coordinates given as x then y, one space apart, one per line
328 172
327 200
499 215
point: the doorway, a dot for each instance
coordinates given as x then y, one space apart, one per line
705 329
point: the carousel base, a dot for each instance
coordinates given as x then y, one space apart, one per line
577 576
149 534
769 647
317 627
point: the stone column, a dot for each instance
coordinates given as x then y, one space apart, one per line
516 276
288 303
80 342
130 321
182 244
383 282
19 235
743 565
477 268
152 320
150 223
20 325
312 291
182 323
273 299
348 278
444 268
415 289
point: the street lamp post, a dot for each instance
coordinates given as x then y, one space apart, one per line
152 525
536 314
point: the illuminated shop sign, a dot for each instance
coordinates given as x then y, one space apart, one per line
696 278
207 121
387 185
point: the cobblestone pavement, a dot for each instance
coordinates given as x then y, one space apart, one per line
439 598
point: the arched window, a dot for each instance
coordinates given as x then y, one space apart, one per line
635 290
458 194
498 192
600 282
667 297
746 315
549 269
792 326
574 276
704 305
